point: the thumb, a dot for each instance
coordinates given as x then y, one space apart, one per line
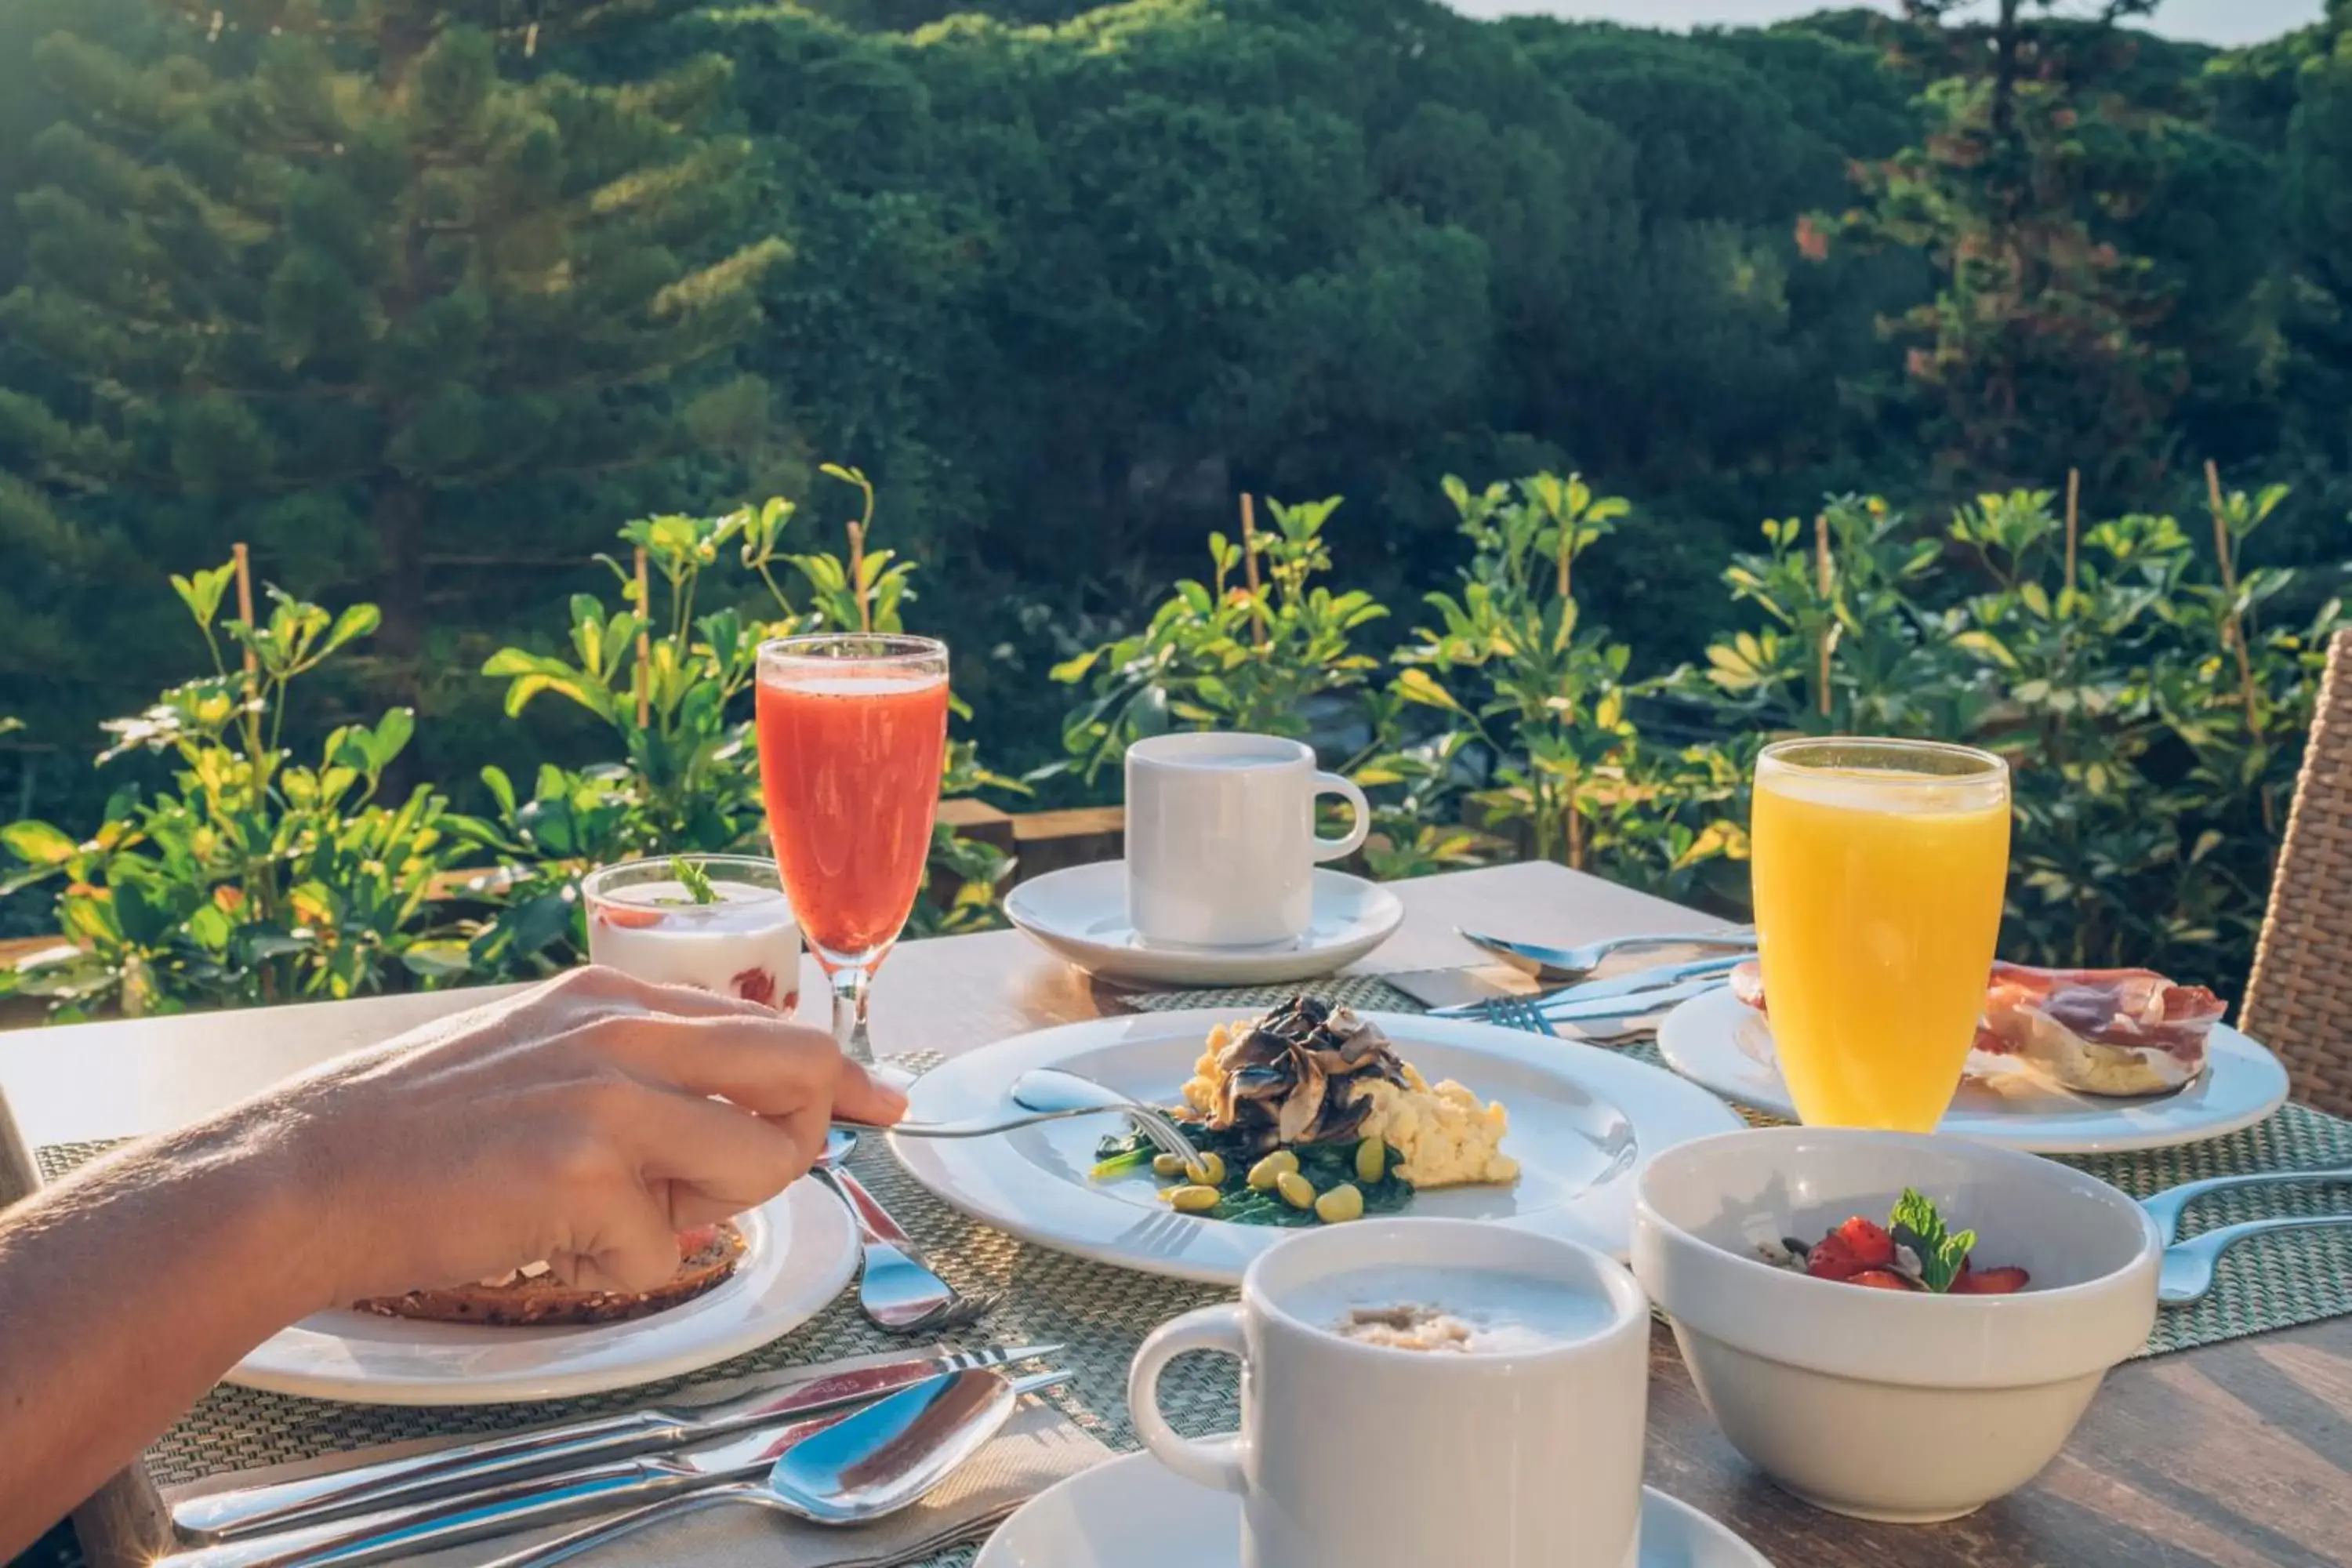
860 1095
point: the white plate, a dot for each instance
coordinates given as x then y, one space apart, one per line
1723 1043
800 1251
1081 914
1583 1123
1133 1512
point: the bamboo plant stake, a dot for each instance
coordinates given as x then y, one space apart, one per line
2233 627
1249 567
2073 503
245 612
857 576
1822 569
2233 630
644 644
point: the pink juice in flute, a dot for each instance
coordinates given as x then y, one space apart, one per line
849 765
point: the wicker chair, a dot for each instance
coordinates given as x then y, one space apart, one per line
123 1524
2299 999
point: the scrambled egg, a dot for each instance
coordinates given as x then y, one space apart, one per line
1201 1089
1445 1137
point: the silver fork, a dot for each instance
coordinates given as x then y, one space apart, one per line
896 1290
1154 1124
1520 1013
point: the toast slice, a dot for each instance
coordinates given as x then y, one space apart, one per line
709 1257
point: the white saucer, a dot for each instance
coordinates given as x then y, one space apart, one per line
1081 914
1132 1512
1719 1043
800 1250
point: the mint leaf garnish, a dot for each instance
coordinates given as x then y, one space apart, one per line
693 879
1942 1254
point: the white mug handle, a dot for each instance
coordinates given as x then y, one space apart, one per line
1333 849
1216 1462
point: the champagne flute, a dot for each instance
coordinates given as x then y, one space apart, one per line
1879 868
853 732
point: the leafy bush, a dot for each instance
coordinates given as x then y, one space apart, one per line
259 879
2152 721
1228 655
687 778
254 878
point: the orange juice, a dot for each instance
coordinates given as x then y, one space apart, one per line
1878 871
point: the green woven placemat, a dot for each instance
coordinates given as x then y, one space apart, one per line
2265 1282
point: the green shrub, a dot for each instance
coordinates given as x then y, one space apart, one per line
1226 654
259 879
688 776
2153 745
254 877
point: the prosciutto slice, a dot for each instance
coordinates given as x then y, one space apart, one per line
2098 1031
2123 1009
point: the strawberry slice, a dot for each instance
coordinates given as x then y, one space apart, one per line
1879 1279
1832 1259
1989 1283
1868 1242
690 1241
756 985
628 917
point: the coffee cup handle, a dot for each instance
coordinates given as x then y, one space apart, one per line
1333 849
1215 1462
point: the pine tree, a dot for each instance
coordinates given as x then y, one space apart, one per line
2039 349
323 266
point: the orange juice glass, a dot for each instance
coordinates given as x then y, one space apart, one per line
853 732
1878 870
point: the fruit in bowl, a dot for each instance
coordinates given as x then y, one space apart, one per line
1904 1403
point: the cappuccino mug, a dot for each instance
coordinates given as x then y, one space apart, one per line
1221 841
1516 1442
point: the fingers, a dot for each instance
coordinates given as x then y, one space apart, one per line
632 1249
760 1062
861 1094
715 1159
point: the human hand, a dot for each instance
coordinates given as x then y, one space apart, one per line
574 1123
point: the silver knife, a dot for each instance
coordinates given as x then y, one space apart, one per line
1626 1004
415 1478
518 1505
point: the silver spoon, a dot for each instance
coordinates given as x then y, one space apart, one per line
2187 1272
882 1459
1568 965
896 1290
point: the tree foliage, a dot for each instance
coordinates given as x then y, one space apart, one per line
1063 280
318 268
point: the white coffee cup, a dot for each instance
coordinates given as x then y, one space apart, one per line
1379 1457
1221 842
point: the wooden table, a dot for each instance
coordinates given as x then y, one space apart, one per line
2237 1454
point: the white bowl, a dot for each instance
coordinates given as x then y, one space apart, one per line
1886 1406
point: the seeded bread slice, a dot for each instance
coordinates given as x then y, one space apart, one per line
547 1300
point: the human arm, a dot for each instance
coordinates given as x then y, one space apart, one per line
572 1123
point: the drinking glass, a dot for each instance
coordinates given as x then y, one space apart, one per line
644 922
853 730
1878 869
